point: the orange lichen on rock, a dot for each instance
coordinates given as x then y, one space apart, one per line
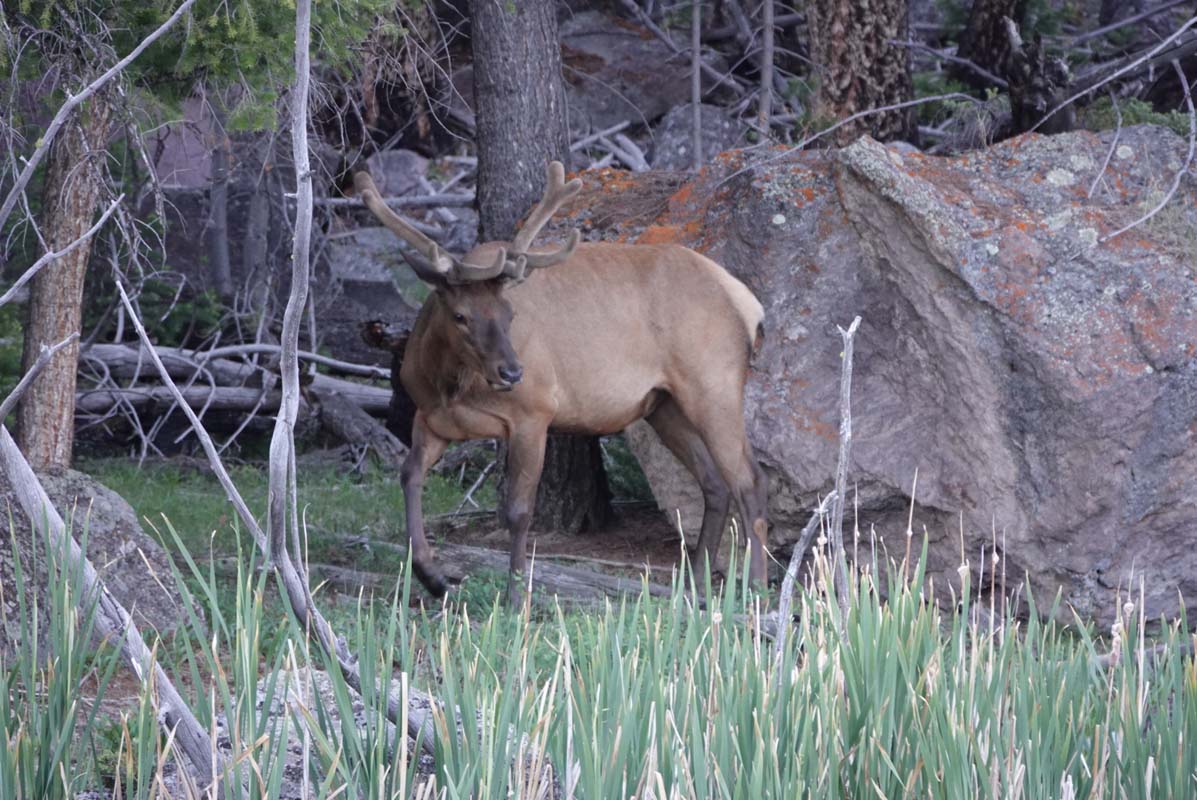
671 234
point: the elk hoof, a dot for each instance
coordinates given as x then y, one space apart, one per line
432 580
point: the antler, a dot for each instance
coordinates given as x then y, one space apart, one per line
556 194
430 263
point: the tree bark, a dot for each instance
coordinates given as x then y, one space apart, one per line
522 124
859 68
984 41
519 100
74 172
220 272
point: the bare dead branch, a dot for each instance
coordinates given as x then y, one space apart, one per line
28 378
1122 23
64 112
346 367
586 141
283 506
655 29
28 274
764 110
1092 84
112 619
786 595
953 59
1113 145
469 495
458 200
632 158
1180 173
840 558
218 360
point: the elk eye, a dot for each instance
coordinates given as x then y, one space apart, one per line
459 317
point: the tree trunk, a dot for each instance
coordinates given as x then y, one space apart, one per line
519 100
74 171
860 69
220 272
984 41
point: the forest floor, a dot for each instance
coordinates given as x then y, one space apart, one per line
348 515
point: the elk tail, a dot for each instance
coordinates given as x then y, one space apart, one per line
758 342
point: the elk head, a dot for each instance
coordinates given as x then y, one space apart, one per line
473 313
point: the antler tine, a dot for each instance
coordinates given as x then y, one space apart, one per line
431 257
556 193
470 273
542 260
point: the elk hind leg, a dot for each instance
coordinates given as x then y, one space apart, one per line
683 440
721 426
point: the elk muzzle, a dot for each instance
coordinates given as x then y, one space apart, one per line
510 375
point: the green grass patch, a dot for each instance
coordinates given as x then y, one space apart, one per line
335 504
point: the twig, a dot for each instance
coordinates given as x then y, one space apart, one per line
787 583
594 137
1118 72
28 274
809 140
1180 173
647 22
347 367
43 359
441 212
1113 145
469 496
964 62
632 157
1122 23
69 106
452 200
840 560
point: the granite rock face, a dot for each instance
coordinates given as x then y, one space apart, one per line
133 566
1039 378
672 141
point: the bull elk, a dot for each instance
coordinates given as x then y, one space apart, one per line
517 341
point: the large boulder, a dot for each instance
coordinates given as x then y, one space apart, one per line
673 137
1041 380
133 566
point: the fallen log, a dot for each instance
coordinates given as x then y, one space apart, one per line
348 421
129 361
371 399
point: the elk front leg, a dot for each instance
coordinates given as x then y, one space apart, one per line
525 459
426 449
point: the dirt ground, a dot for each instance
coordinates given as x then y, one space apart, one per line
640 534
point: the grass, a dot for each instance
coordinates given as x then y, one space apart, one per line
336 504
673 697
